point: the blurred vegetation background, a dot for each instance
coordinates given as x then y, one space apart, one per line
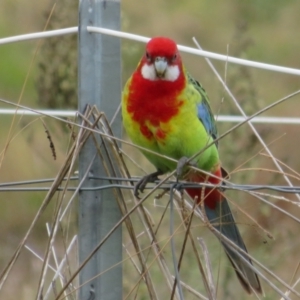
265 31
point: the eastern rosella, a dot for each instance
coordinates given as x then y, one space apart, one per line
165 110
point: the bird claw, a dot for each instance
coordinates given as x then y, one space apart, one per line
182 163
179 186
141 184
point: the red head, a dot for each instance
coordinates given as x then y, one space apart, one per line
161 60
153 92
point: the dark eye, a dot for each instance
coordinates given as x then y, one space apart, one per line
148 56
174 57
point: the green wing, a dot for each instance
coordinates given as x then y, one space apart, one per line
204 111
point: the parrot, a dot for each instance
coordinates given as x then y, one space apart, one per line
165 110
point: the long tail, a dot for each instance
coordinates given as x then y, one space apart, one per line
219 214
222 220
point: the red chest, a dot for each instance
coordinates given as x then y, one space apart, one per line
153 102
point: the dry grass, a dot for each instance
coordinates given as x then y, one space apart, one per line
147 259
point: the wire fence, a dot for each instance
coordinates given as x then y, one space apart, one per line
145 247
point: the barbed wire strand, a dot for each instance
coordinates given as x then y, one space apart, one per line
9 186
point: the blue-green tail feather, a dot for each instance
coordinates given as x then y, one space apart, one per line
222 220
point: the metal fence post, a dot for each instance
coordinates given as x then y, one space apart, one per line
99 73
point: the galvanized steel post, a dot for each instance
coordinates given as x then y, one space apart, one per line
99 73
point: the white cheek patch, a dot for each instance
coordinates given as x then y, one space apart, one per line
148 72
171 74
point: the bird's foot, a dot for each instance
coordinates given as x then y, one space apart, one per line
141 184
183 162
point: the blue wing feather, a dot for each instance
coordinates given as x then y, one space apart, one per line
204 112
205 118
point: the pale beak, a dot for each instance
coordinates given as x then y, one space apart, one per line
160 65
